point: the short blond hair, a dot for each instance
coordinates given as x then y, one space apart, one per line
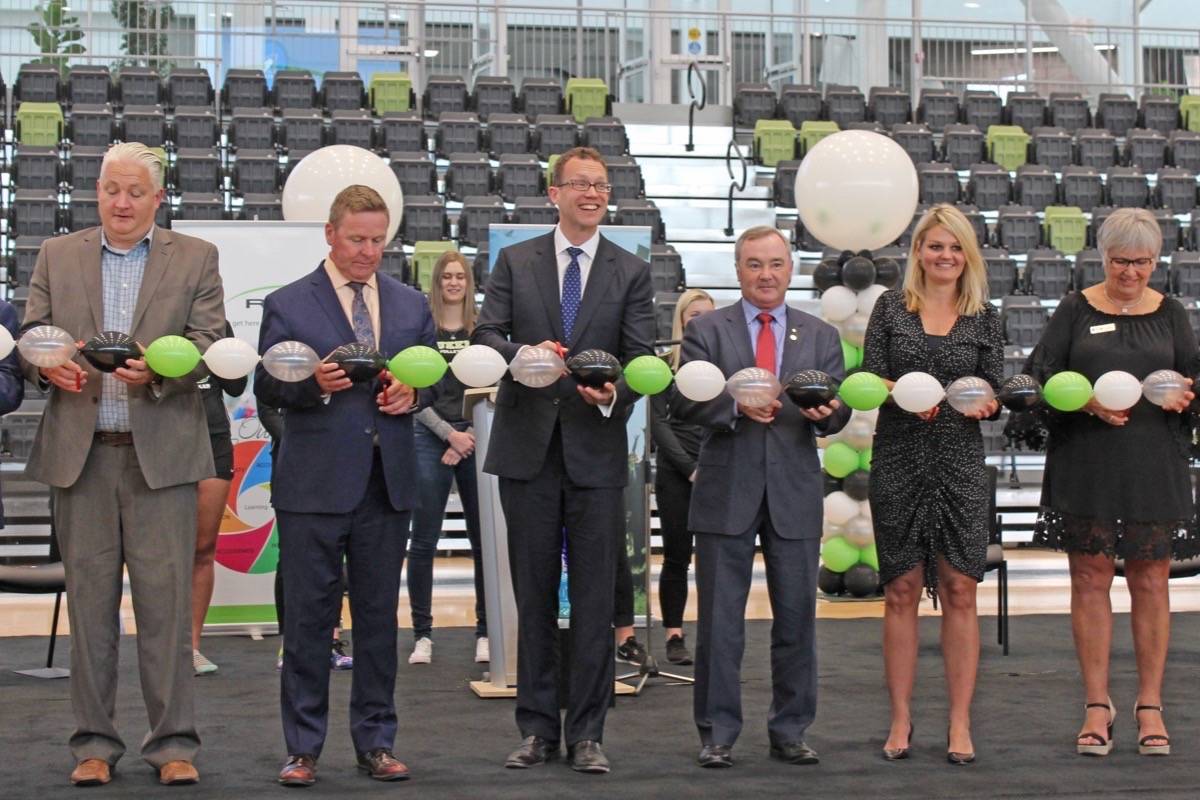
140 154
356 199
681 306
972 284
758 232
1129 229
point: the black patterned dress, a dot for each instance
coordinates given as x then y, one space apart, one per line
1122 491
929 489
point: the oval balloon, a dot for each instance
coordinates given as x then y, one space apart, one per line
838 554
46 346
418 366
109 350
811 388
231 358
700 381
172 356
917 392
826 274
857 484
868 297
753 387
860 532
828 581
321 174
851 356
1020 393
858 273
858 433
869 556
1067 391
7 342
536 367
854 328
360 362
478 365
290 362
1117 390
1165 386
594 368
855 190
861 580
648 375
969 395
840 459
863 391
839 508
864 462
887 271
838 303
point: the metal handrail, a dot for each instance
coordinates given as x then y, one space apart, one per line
734 184
694 68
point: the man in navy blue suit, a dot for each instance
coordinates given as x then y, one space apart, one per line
12 382
343 485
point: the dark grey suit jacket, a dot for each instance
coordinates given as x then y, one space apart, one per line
741 460
522 306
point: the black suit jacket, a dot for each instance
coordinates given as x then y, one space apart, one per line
522 306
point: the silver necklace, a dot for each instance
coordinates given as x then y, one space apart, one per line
1125 308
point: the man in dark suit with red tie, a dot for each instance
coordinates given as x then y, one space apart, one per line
561 454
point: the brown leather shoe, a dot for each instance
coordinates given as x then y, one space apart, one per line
178 773
91 772
382 765
299 770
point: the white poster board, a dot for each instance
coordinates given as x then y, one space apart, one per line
255 258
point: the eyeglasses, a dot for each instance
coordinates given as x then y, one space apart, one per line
1136 263
580 185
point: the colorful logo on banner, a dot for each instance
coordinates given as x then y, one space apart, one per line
249 540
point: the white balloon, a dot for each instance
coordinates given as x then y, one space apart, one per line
858 433
321 174
854 329
838 303
859 531
478 365
864 509
700 381
872 415
231 358
856 190
840 508
7 342
868 297
917 392
1117 390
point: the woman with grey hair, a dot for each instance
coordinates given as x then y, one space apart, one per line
1116 484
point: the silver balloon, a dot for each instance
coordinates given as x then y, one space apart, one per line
969 395
1164 387
753 387
854 329
858 433
860 532
536 368
291 362
830 529
47 346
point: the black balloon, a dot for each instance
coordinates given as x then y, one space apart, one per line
861 580
858 273
831 484
1019 393
109 350
359 362
856 483
594 368
811 388
826 274
830 582
887 272
844 256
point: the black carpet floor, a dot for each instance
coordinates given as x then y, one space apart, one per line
1027 710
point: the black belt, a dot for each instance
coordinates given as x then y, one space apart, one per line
114 438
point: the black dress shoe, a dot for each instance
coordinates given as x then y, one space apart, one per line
586 756
534 750
715 756
794 753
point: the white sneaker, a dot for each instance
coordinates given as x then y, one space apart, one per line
201 665
483 653
422 651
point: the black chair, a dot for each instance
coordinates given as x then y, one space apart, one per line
996 561
47 578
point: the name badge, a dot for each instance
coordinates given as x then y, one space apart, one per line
1106 328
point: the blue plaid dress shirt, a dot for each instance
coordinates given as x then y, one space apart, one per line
121 274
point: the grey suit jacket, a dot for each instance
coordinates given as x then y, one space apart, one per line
180 294
522 306
742 461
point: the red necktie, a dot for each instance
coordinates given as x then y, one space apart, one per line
764 354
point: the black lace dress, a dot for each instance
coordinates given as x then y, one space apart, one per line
1122 491
929 489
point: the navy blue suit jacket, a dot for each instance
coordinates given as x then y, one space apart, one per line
12 381
325 456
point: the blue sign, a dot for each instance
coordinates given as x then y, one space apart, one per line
694 48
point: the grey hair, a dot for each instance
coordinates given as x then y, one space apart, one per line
136 153
1130 229
759 232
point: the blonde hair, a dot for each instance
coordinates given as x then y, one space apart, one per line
136 153
355 199
584 153
437 306
972 283
681 306
1129 229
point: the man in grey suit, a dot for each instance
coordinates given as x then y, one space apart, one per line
561 454
758 478
122 453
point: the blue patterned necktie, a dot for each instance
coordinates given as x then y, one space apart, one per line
572 290
360 317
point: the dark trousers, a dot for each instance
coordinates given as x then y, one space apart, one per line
723 572
623 599
433 480
673 493
371 539
537 511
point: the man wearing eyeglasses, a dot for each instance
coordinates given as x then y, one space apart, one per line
561 454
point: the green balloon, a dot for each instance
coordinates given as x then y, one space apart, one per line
172 356
838 554
840 459
647 375
418 366
851 355
869 556
1067 391
864 459
863 391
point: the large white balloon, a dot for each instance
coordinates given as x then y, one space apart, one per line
856 190
478 365
838 303
231 358
839 508
1117 390
321 174
917 392
700 381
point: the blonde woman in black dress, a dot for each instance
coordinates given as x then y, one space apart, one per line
929 489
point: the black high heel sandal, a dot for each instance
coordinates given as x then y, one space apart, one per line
900 753
1144 746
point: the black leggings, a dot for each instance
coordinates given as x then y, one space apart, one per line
673 492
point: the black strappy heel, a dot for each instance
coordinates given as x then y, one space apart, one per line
1144 746
1099 746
